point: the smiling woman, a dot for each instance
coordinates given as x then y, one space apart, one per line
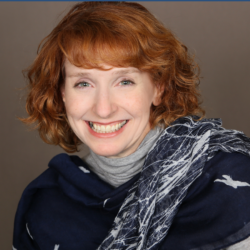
108 116
112 77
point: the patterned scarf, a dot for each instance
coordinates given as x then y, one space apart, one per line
175 161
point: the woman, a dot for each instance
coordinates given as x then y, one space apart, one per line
157 176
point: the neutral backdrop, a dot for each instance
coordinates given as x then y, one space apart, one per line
217 32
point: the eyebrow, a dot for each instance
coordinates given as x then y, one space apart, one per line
80 74
126 71
118 72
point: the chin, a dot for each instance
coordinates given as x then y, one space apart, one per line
109 152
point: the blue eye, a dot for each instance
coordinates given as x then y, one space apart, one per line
126 82
82 84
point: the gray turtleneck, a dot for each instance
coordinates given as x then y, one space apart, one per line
120 170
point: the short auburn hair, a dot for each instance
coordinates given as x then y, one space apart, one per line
120 34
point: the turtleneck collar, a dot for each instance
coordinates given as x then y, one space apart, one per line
120 170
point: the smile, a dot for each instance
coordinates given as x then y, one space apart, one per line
106 129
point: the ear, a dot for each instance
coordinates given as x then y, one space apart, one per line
158 93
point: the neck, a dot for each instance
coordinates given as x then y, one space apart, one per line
117 171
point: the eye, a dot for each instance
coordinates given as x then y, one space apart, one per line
82 85
126 82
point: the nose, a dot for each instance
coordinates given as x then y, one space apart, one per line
104 105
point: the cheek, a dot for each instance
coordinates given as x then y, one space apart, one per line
138 103
74 107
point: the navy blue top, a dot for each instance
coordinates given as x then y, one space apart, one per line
71 208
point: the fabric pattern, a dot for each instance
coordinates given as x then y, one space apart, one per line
172 165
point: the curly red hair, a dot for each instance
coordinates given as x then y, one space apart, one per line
120 34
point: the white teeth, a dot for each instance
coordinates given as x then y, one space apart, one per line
108 128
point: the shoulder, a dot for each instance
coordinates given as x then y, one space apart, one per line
39 198
64 205
215 212
222 192
225 172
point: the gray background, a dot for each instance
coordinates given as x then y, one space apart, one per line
217 32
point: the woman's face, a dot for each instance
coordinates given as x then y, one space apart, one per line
109 110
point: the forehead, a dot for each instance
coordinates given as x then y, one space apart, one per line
74 71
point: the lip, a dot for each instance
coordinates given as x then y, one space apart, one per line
106 135
110 123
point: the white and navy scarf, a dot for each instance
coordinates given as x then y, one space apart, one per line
175 161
